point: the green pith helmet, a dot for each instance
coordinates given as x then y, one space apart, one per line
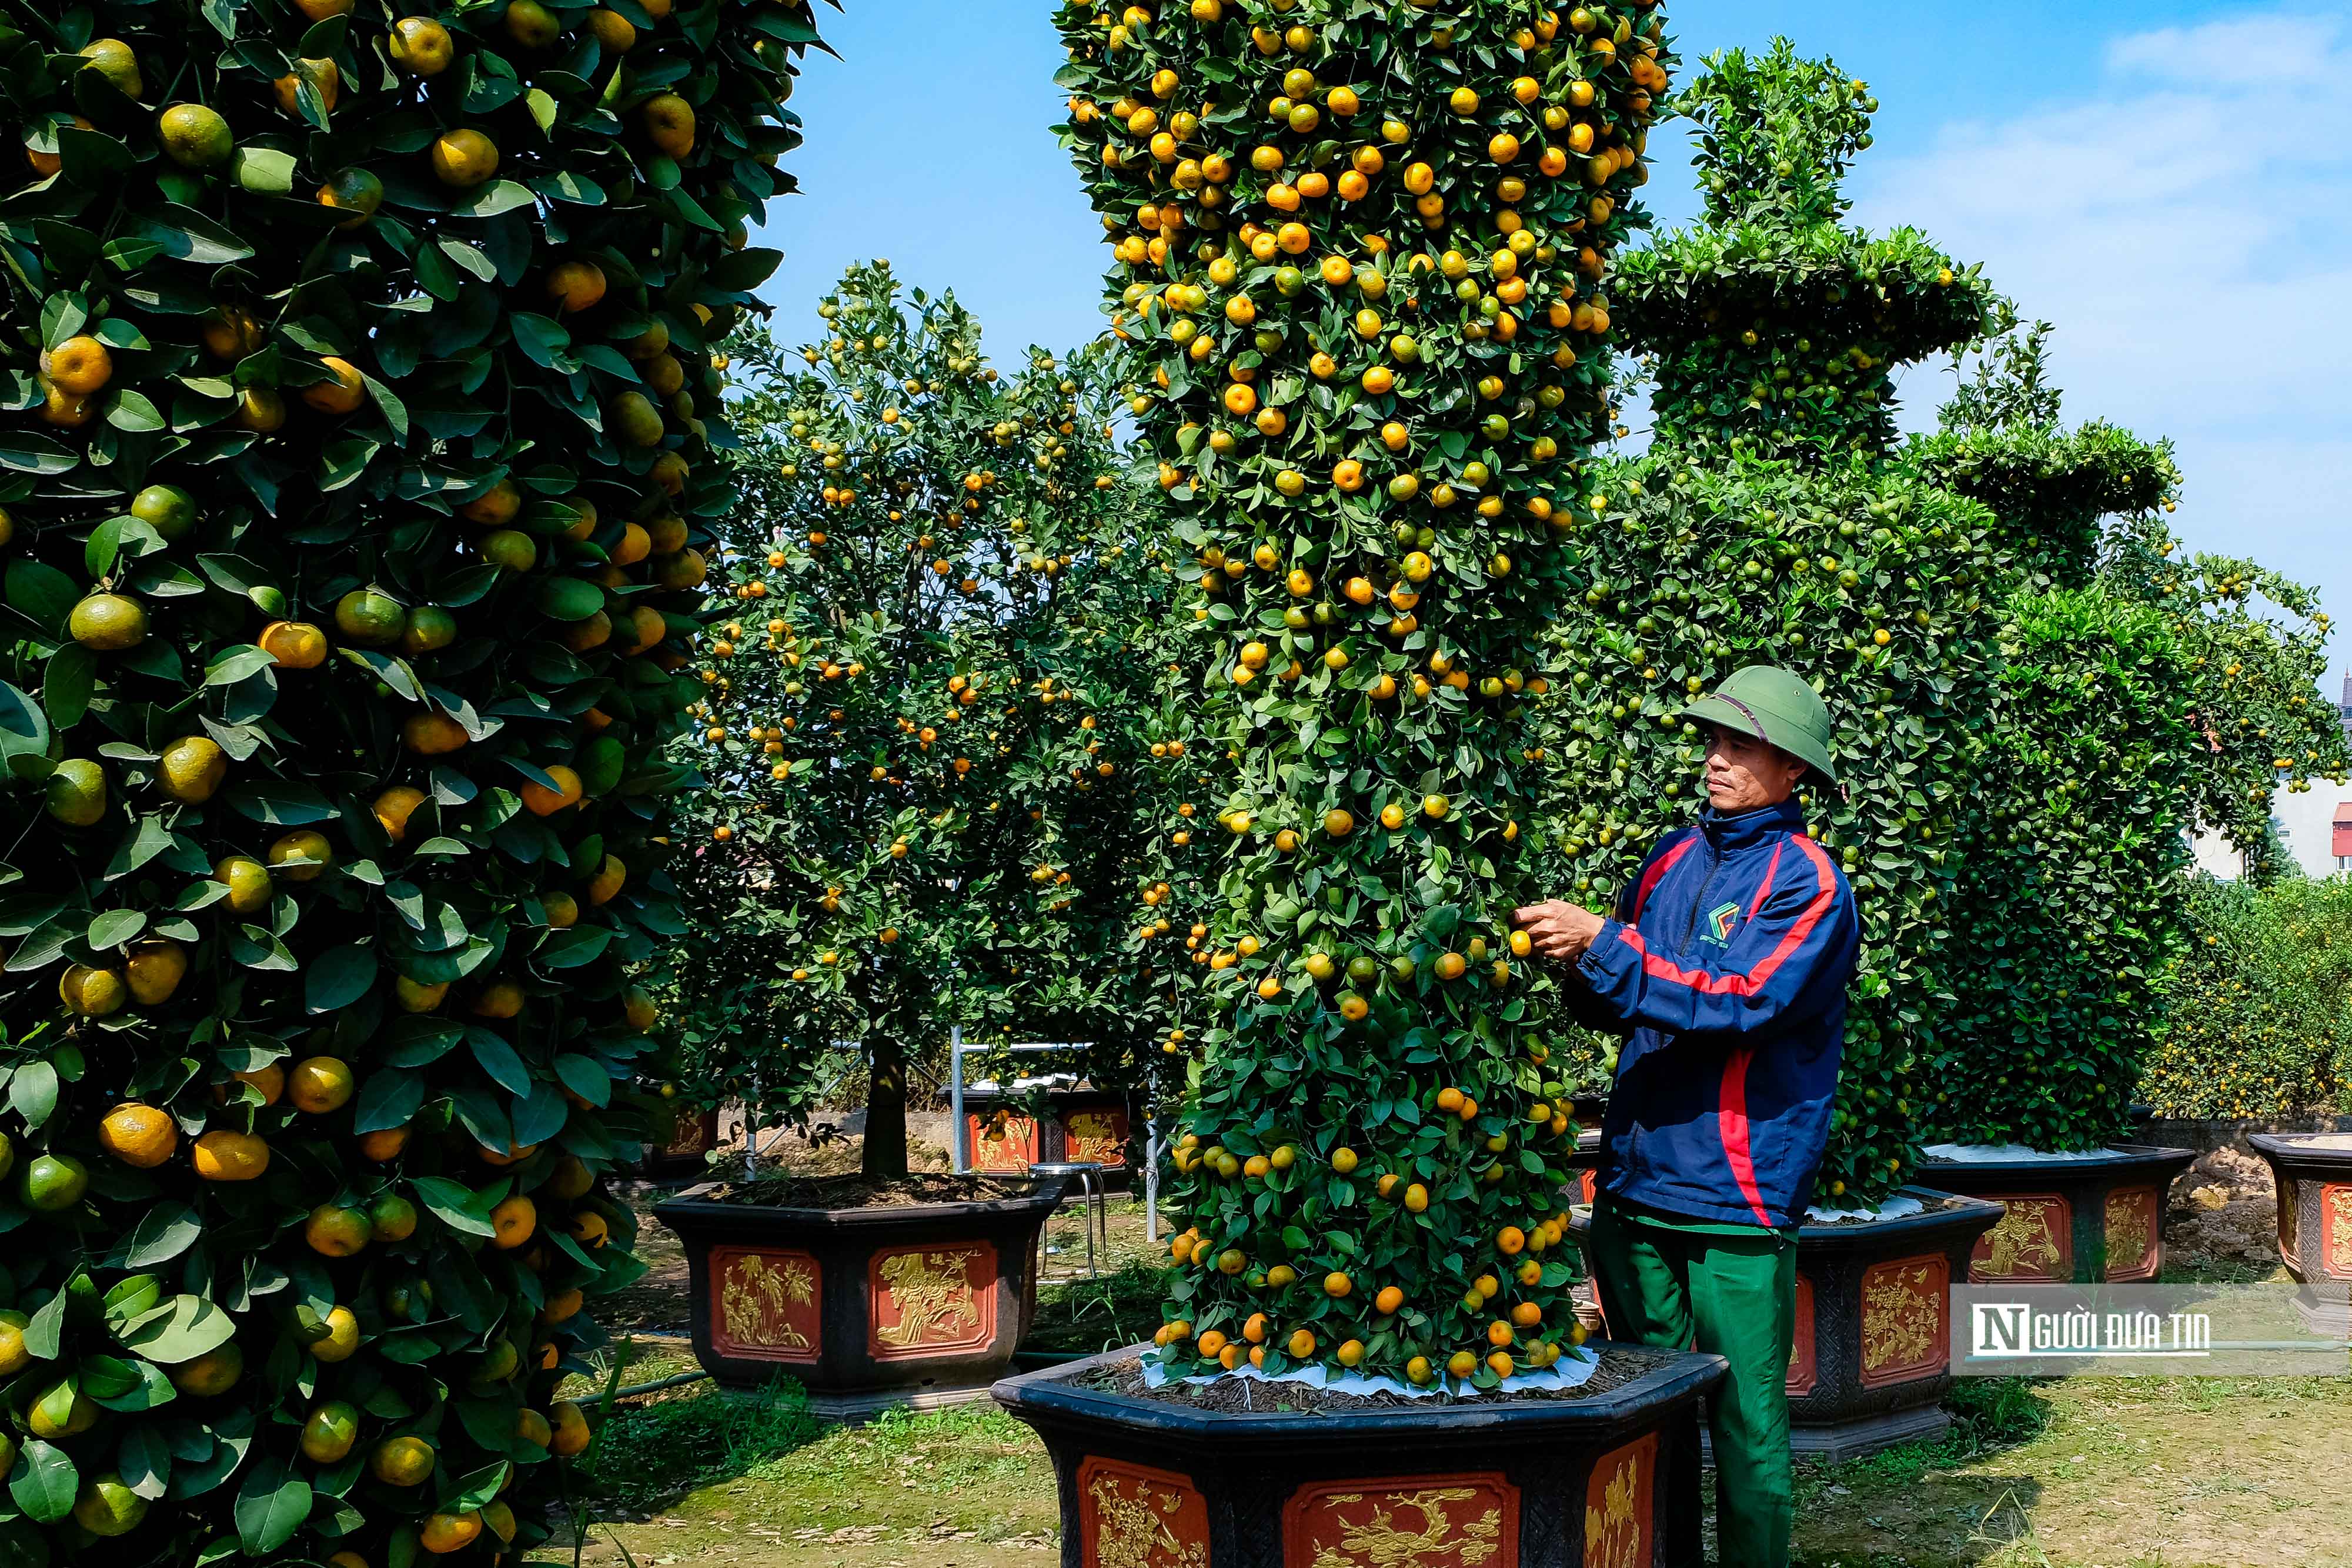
1777 708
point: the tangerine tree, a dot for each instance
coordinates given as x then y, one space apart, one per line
1771 523
1359 254
350 533
902 711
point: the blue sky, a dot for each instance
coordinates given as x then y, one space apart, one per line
2171 183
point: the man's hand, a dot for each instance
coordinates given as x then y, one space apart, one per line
1558 930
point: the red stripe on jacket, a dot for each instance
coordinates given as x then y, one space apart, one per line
1650 878
1731 1122
1755 980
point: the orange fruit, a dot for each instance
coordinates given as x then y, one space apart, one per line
190 769
247 881
139 1135
53 1183
614 33
570 1426
370 617
295 644
432 734
108 622
77 792
330 1431
340 394
494 508
464 159
418 996
514 1220
79 366
193 136
607 881
421 46
543 801
214 1372
392 809
92 993
561 909
112 58
430 628
448 1532
342 1336
105 1507
574 285
225 1155
269 1079
669 123
531 24
499 1000
402 1462
320 1085
385 1144
261 409
588 1228
562 1305
324 76
336 1233
301 855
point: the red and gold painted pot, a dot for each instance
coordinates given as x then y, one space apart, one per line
1082 1126
2069 1221
2314 1174
690 1142
1872 1357
861 1301
1609 1481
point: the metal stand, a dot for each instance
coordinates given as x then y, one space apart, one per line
1094 1210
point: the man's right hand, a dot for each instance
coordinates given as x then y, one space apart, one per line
1561 931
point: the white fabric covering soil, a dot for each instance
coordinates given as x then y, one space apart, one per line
1893 1208
1572 1368
1986 1154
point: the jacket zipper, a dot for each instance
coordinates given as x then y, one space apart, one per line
1690 932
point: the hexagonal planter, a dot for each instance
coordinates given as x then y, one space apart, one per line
1871 1357
2314 1173
919 1305
685 1154
2068 1221
1540 1482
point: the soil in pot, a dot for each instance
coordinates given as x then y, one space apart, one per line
1619 1365
782 1191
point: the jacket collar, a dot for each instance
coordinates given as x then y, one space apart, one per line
1729 835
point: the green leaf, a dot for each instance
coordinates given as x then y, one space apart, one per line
271 1505
743 269
280 804
574 946
116 926
263 171
451 1203
498 197
43 1481
389 1098
45 594
143 1459
186 234
182 1329
584 1076
233 665
500 1060
164 1231
339 977
66 685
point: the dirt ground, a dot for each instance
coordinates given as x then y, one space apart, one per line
2070 1473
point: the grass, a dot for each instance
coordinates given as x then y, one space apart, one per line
1086 1316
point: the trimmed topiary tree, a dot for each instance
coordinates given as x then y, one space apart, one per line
350 537
1771 524
1358 264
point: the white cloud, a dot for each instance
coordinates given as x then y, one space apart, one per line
2184 220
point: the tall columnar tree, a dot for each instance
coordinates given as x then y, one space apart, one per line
1359 253
894 712
360 451
2142 698
1770 524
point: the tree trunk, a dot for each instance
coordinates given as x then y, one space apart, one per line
885 1112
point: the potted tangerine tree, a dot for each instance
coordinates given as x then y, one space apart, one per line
893 745
1356 264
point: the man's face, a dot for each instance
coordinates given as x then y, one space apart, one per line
1743 774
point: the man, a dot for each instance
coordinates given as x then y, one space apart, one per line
1727 965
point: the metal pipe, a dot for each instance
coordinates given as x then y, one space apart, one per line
959 1141
655 1386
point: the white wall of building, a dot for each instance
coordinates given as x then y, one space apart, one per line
2307 823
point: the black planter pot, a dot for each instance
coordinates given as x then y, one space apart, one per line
2083 1222
2314 1174
867 1307
1872 1358
1535 1483
1085 1126
685 1154
1873 1349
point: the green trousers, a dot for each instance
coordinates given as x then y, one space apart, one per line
1736 1297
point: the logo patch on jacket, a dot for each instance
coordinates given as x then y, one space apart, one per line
1721 922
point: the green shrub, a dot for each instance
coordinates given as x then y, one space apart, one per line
2260 1004
345 572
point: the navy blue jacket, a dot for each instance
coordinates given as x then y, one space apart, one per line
1728 962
